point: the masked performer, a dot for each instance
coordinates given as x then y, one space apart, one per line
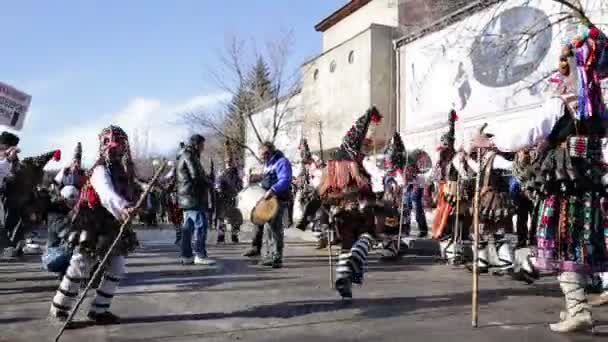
346 191
395 210
227 186
571 234
307 202
104 203
72 175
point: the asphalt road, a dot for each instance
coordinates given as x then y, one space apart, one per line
236 300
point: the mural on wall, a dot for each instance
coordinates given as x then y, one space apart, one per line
494 61
511 47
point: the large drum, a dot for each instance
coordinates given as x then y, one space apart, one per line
248 198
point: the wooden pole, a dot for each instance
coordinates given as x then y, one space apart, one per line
456 231
475 292
330 254
401 208
99 268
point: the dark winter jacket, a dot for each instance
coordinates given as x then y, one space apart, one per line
191 182
277 176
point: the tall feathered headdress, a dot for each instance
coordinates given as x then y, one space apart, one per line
447 140
356 137
394 154
78 152
305 154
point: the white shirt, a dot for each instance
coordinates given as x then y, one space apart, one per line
109 198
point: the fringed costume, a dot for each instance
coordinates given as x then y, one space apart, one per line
396 211
346 190
572 232
103 204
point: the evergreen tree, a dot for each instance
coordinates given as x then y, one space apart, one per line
260 83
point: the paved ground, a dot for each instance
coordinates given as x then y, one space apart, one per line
413 300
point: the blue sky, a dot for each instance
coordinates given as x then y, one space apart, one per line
134 63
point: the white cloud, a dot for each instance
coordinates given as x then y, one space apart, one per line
140 116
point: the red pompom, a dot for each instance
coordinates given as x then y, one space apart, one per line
376 117
453 116
594 33
57 155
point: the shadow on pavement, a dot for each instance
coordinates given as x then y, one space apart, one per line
370 307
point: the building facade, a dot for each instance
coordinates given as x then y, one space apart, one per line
416 60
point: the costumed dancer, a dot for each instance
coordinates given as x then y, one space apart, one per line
396 211
346 191
25 203
227 186
56 259
73 174
496 210
307 199
62 200
453 175
572 231
105 201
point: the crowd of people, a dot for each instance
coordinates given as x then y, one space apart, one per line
549 172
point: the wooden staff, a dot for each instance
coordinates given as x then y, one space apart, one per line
475 294
103 262
457 236
401 208
330 254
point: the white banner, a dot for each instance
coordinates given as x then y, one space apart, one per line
14 105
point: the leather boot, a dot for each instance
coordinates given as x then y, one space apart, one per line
578 316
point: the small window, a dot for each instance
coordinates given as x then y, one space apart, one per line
315 74
332 66
351 57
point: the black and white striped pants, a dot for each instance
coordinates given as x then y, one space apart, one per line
78 271
352 264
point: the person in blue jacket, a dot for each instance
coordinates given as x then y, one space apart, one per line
276 180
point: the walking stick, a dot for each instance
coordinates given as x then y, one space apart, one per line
103 261
401 212
475 294
457 234
331 264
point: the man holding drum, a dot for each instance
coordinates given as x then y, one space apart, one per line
276 180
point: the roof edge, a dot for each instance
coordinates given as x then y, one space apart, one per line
446 21
341 13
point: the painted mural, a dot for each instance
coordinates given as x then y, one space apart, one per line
493 62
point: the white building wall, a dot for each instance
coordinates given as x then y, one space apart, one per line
384 12
287 139
437 72
338 98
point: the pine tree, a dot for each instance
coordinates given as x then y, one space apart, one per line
260 83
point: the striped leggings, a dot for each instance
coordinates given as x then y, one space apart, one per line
352 264
79 270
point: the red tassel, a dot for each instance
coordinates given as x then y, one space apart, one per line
57 155
594 33
453 116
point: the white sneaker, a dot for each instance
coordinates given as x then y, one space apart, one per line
203 261
187 261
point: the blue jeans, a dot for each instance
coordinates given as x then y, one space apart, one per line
414 199
195 222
